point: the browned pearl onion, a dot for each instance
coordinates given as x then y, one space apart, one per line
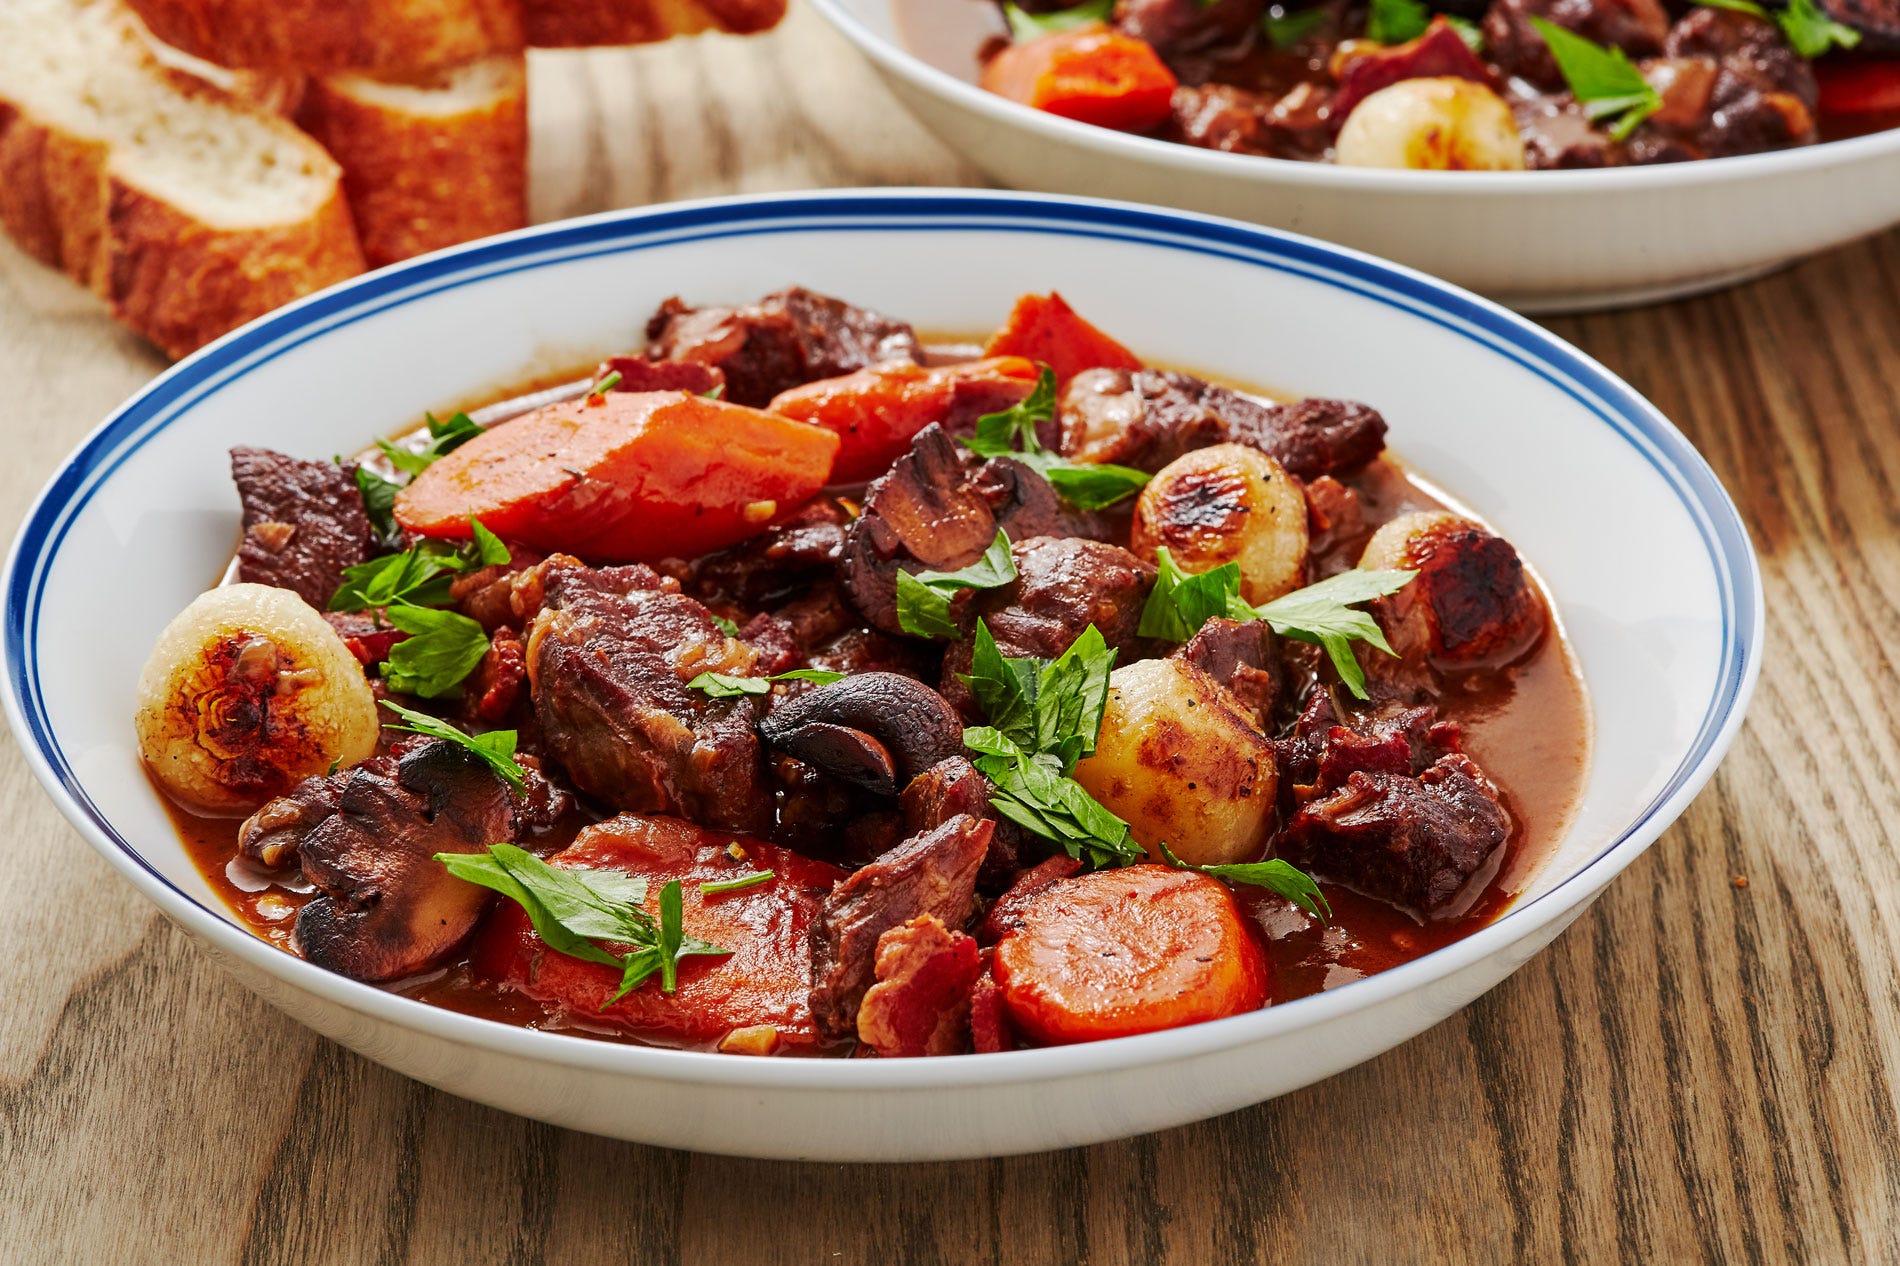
1227 503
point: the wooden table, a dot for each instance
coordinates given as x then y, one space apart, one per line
1700 1068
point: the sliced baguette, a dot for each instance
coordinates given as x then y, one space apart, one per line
427 164
384 37
588 23
190 213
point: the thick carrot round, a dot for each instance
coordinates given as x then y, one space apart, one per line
876 412
1091 74
1129 951
764 984
625 477
1045 329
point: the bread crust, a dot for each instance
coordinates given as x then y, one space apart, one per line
181 283
52 195
589 23
417 182
388 37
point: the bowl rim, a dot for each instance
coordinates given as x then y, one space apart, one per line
894 57
171 395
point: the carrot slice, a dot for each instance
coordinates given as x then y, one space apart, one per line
1045 329
876 412
1091 74
764 983
1129 951
625 477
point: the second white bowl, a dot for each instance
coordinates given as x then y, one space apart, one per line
1538 241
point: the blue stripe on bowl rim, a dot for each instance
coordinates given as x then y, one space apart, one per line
1732 559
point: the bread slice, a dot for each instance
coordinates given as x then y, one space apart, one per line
384 37
190 213
427 164
588 23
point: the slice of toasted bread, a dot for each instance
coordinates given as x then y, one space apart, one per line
385 37
587 23
427 164
190 213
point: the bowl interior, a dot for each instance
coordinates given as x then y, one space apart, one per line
1649 568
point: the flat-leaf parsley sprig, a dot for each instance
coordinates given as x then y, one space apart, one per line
923 598
1325 614
496 748
1609 87
1012 433
1044 716
575 909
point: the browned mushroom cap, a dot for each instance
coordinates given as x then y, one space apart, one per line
932 512
388 908
272 836
925 514
878 730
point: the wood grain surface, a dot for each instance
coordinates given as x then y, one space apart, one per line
1702 1068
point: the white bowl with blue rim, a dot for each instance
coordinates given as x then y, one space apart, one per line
1539 241
1649 565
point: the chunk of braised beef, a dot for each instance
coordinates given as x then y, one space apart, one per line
304 523
920 1004
1334 514
639 374
490 692
929 874
1063 584
609 658
1878 21
1312 437
1146 419
1416 841
1558 135
1638 27
775 642
953 788
367 841
1176 27
1142 418
1321 750
779 563
784 340
1437 54
1221 117
1748 90
1246 659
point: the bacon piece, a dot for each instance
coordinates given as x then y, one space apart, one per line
921 1001
989 1020
1439 53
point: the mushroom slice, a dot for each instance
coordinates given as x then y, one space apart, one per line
387 908
877 730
